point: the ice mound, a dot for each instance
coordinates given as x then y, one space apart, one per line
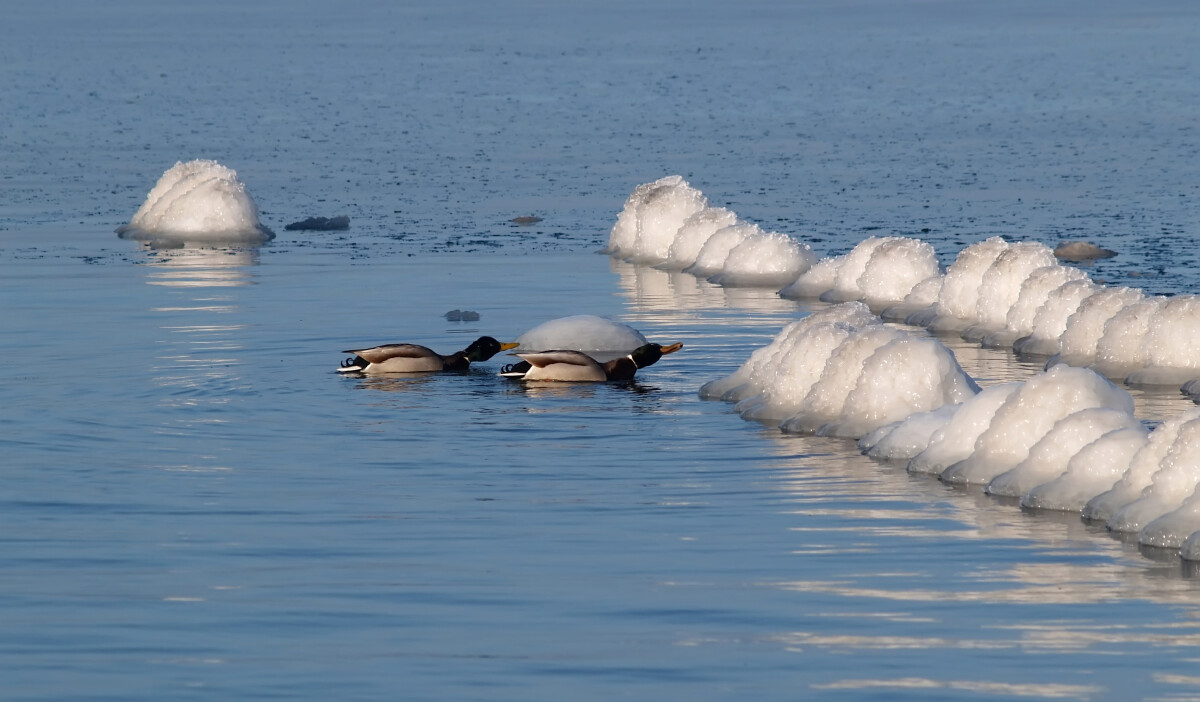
1049 457
1085 327
1140 472
1173 528
879 271
692 235
896 266
958 300
826 400
850 269
1000 286
759 371
840 372
1051 319
905 439
1191 548
1172 344
1034 292
765 260
1176 478
918 306
901 378
1090 472
584 332
711 259
1029 414
199 201
1119 349
816 280
955 441
653 214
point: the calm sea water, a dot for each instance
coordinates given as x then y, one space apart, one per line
193 505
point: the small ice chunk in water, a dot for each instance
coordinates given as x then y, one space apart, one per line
1079 251
199 201
462 316
584 332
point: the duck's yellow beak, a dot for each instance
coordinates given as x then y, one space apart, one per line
671 349
508 345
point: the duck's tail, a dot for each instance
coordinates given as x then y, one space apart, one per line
516 370
356 364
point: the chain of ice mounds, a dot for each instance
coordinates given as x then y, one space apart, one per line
997 293
1065 439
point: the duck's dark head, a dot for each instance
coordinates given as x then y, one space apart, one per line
649 354
485 347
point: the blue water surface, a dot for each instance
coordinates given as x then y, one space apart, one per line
195 505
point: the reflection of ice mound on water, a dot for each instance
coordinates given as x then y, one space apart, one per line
878 271
198 201
583 332
693 233
1028 415
653 213
765 260
840 372
1090 472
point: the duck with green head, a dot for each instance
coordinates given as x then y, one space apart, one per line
413 358
576 366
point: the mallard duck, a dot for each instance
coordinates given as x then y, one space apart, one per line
576 366
411 358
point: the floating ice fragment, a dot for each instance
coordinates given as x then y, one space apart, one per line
1081 251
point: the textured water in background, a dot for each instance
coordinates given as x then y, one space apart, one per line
193 505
